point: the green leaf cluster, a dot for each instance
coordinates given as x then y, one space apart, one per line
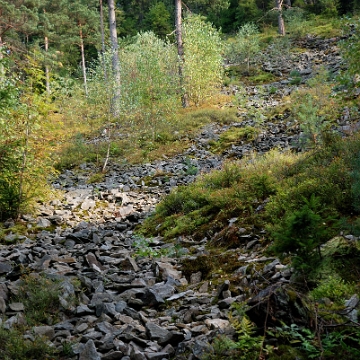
203 70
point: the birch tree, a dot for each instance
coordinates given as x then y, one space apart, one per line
180 50
115 59
214 4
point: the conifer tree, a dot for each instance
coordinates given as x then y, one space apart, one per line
83 27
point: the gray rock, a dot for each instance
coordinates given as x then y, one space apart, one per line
157 356
2 305
47 331
83 310
89 352
165 270
201 348
114 355
43 223
157 333
128 264
195 278
5 267
351 311
17 306
222 287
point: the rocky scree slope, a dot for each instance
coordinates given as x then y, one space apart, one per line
136 300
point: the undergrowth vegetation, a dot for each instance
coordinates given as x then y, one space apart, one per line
39 296
283 192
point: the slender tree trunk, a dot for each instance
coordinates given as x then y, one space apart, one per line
281 24
1 46
47 70
180 49
2 69
102 38
115 58
83 64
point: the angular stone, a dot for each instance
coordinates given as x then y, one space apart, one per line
204 288
105 327
89 352
43 223
165 270
2 305
222 287
128 264
83 310
47 331
157 333
4 291
271 266
17 306
225 303
164 290
201 348
157 356
114 355
94 263
195 278
213 324
5 267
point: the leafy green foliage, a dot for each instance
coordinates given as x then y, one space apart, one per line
203 69
40 297
14 346
333 288
301 338
158 19
148 248
22 164
334 344
245 46
148 83
350 50
247 346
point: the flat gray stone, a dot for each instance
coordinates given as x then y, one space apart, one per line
5 267
89 352
47 331
17 306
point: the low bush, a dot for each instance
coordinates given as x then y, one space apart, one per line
40 297
14 346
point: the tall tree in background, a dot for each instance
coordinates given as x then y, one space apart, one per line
158 19
180 49
214 4
18 22
115 58
203 68
102 31
85 27
281 23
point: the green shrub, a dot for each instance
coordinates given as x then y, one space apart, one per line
40 297
302 232
295 77
335 289
10 185
14 346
